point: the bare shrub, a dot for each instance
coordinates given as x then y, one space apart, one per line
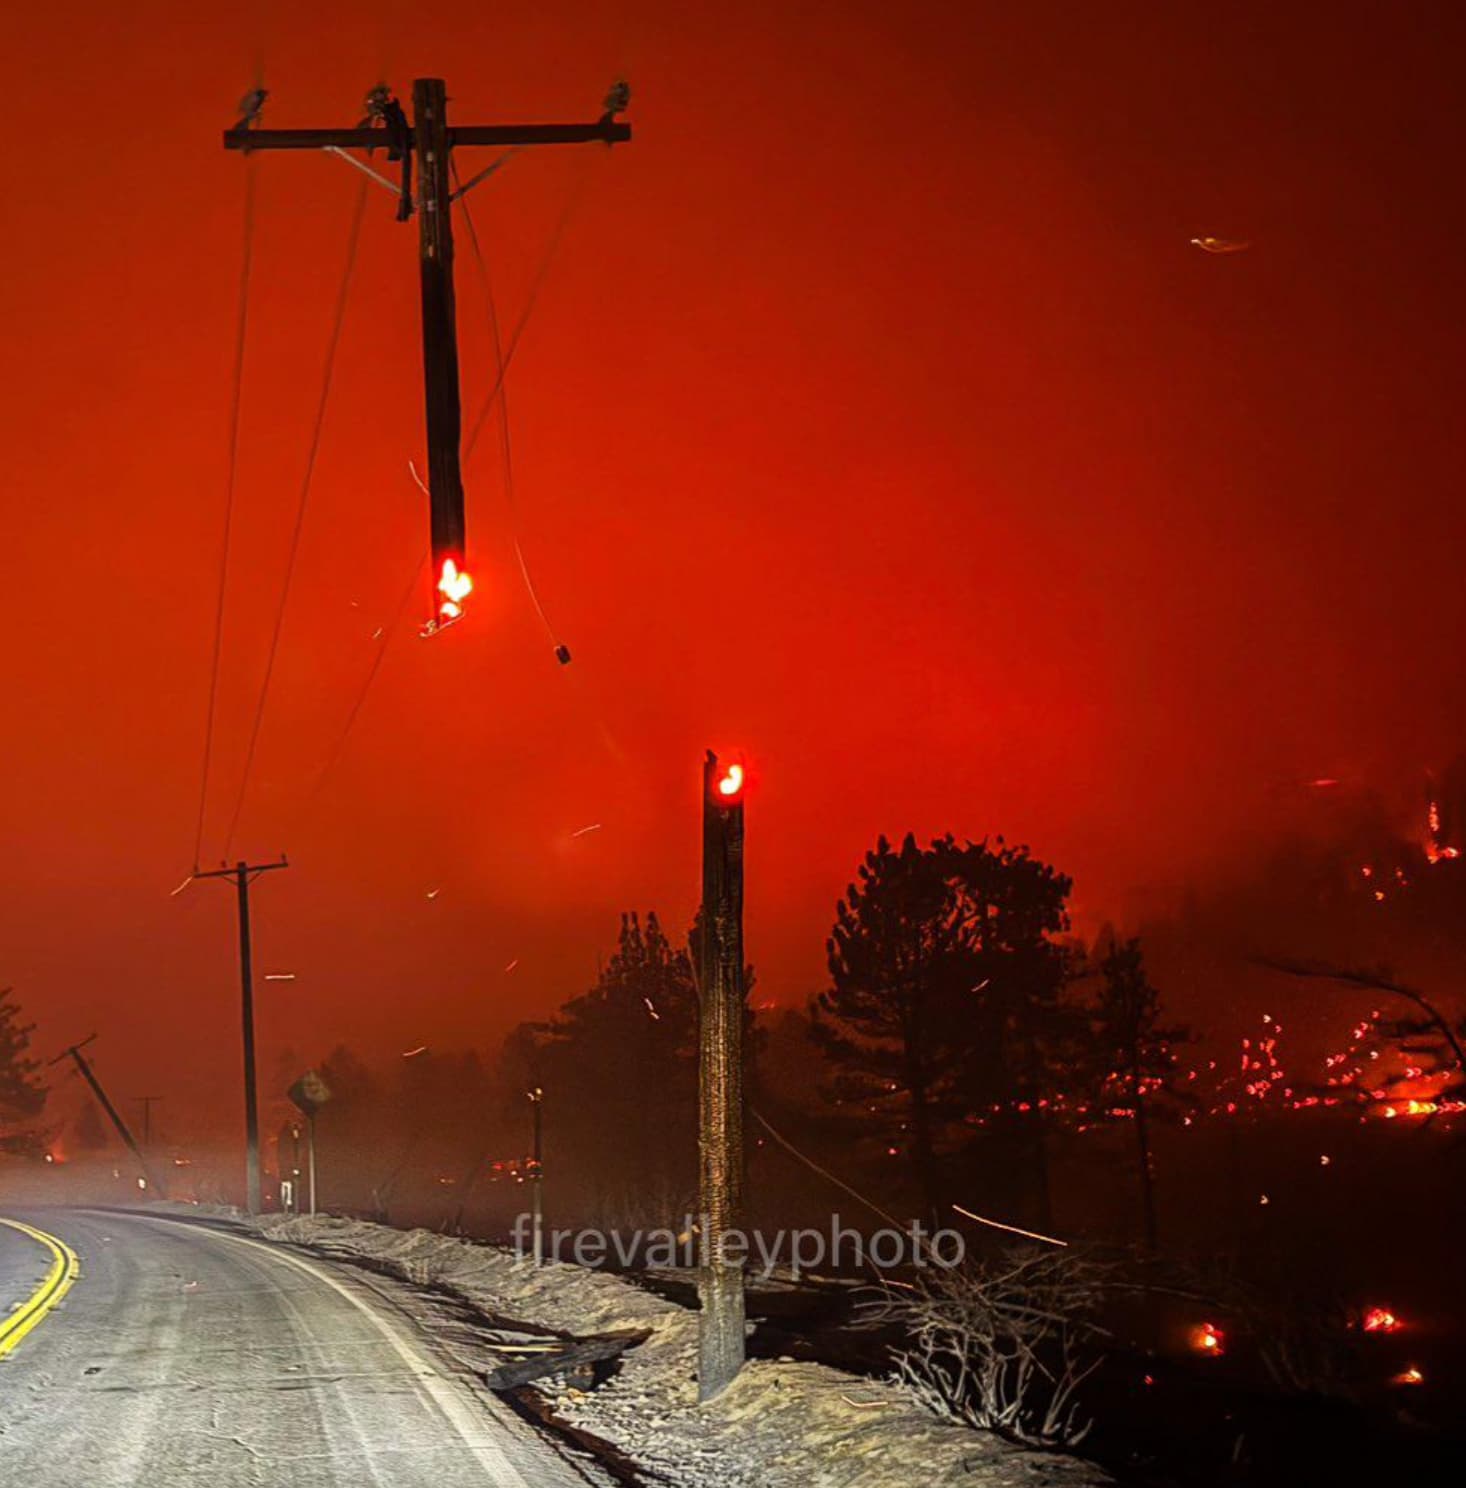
1002 1345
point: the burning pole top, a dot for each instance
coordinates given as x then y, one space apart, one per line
427 142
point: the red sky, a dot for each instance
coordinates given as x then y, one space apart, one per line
875 418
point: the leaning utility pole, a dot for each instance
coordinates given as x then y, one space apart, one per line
720 1077
243 875
88 1074
432 141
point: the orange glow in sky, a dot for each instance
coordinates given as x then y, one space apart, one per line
825 358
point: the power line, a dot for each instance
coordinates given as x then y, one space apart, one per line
339 748
305 489
577 191
236 401
503 401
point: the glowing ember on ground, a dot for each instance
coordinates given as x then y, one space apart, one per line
1410 1108
1411 1376
1207 1338
1381 1320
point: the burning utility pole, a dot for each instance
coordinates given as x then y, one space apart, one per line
721 994
429 142
243 875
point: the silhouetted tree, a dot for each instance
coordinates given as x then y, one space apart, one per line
443 1119
1135 1057
945 985
619 1070
355 1135
22 1090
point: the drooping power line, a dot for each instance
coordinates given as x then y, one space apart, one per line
231 479
338 320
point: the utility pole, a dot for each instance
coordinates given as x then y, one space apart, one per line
720 1076
89 1075
537 1175
147 1102
432 141
243 875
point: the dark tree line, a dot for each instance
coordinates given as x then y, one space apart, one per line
961 1036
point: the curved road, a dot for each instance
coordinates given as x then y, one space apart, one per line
193 1355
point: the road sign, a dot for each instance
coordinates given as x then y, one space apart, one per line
310 1092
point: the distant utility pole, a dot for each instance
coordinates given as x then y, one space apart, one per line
537 1175
243 875
89 1075
429 138
720 1076
147 1102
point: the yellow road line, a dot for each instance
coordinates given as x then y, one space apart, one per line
65 1267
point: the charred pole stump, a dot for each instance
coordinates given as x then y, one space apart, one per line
720 1079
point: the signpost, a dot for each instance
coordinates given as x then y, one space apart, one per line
309 1094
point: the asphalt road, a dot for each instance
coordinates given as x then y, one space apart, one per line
185 1355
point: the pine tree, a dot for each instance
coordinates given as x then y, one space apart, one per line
22 1091
945 982
1135 1056
619 1069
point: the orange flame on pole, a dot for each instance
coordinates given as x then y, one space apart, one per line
732 781
455 586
